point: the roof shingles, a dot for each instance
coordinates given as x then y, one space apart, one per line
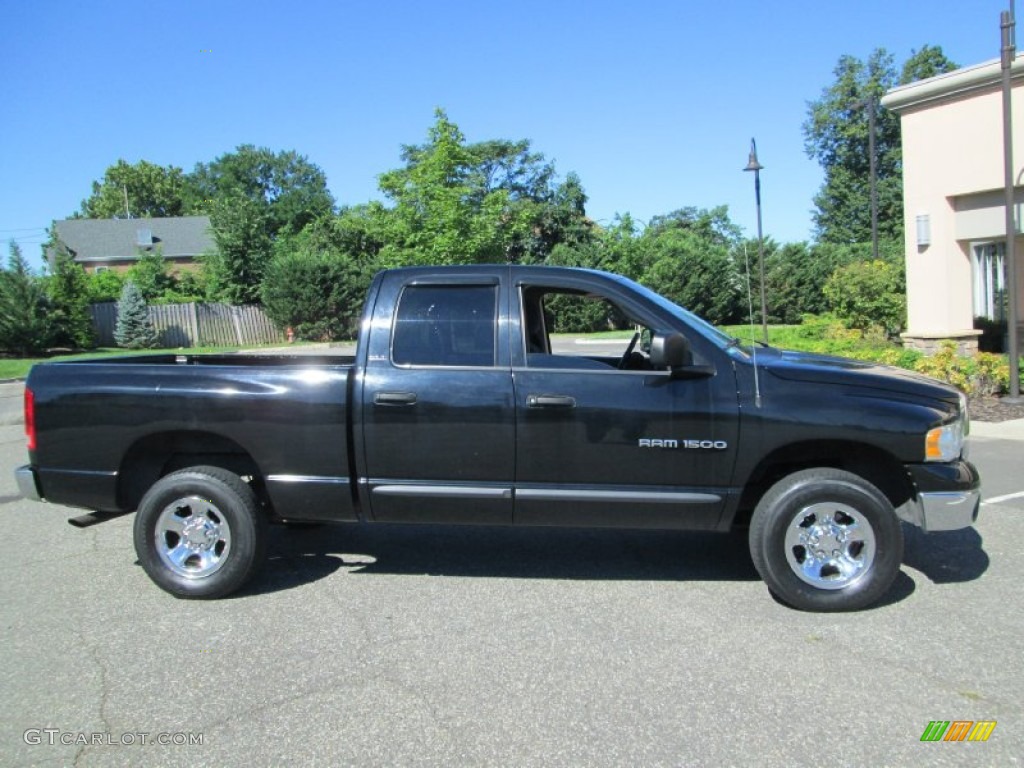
117 239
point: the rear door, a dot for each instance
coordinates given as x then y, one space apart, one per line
437 400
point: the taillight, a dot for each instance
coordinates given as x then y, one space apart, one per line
30 418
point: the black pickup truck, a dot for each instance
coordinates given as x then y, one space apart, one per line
457 408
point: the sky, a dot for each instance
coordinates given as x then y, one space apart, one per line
652 103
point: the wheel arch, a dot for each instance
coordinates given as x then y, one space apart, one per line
158 454
875 465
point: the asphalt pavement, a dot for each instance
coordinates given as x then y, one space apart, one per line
409 646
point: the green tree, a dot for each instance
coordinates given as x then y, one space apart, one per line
241 232
930 61
134 330
68 289
690 262
151 191
25 326
455 202
836 134
289 189
151 275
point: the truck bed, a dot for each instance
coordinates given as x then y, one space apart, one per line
123 421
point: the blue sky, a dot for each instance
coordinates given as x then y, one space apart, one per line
653 104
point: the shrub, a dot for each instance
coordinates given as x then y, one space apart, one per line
867 294
318 294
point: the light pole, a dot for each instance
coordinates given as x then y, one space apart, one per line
753 165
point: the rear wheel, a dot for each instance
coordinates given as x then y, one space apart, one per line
199 533
826 540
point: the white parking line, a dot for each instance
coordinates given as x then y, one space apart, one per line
1007 497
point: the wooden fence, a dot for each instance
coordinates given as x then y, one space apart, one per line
195 325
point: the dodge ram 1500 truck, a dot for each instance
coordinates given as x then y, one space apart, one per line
456 408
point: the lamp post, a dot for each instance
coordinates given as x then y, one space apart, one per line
755 166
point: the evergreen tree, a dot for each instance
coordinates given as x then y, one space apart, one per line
25 326
71 318
134 329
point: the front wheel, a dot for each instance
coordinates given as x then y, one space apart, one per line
199 533
826 540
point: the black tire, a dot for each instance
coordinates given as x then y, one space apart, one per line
826 540
200 533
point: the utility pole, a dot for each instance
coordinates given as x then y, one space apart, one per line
1008 53
874 177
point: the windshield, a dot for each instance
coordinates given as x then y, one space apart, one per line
701 325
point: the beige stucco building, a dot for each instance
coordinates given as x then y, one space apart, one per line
954 200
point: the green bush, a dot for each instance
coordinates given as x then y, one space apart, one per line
317 294
867 294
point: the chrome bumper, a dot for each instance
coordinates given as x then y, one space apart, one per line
27 485
942 510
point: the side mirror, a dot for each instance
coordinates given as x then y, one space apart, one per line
673 351
670 350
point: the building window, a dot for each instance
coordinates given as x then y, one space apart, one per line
988 269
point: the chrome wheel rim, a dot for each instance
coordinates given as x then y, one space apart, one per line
829 545
192 537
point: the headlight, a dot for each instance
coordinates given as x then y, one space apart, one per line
946 443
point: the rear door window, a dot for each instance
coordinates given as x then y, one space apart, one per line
446 325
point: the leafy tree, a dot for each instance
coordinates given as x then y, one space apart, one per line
930 61
152 190
439 215
289 189
455 202
241 231
134 330
836 134
25 326
68 289
693 268
151 275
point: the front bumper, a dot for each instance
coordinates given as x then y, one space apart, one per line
27 485
948 496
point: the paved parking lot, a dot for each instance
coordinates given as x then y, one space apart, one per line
413 646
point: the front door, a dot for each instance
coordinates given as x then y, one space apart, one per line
605 439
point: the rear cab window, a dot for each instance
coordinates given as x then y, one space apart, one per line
446 326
